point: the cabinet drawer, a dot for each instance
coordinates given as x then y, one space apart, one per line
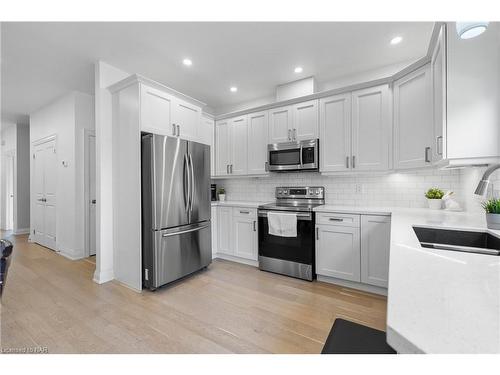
244 212
346 220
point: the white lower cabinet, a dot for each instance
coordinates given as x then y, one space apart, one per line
237 232
375 245
214 230
337 252
353 247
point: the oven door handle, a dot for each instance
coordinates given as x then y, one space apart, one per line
300 216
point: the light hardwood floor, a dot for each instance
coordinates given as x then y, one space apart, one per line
52 302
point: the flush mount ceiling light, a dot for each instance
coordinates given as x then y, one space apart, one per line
396 40
468 30
298 69
233 89
187 62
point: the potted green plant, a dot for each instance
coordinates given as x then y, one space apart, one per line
492 208
434 198
222 194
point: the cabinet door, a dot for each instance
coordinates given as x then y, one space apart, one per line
224 230
413 125
156 111
375 248
371 129
257 142
214 222
186 117
244 235
239 146
338 252
335 133
438 69
280 125
206 135
222 147
305 120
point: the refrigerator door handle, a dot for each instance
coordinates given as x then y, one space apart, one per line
187 193
186 231
192 182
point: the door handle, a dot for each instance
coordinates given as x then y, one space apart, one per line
300 156
186 193
173 129
93 201
227 168
335 219
317 233
178 131
353 161
289 134
294 134
231 168
185 231
427 149
347 162
439 145
244 212
254 226
192 182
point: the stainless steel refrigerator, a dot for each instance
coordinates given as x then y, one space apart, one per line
176 234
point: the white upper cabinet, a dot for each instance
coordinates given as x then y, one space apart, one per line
257 142
222 147
371 129
280 124
438 71
156 111
239 146
375 248
335 133
305 121
186 118
206 135
413 124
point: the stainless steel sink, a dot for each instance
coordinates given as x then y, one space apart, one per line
458 240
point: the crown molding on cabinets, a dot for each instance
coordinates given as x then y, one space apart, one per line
134 78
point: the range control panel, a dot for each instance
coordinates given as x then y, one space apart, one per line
303 192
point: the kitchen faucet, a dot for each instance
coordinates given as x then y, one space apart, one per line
485 180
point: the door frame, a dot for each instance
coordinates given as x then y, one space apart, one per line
9 157
87 133
35 143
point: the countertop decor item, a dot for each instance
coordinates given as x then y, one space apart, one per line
222 194
434 198
492 208
450 203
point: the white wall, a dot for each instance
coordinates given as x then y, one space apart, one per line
402 189
105 76
22 221
64 119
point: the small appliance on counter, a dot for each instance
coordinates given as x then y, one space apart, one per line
291 255
213 192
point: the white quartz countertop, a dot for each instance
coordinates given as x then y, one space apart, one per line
441 301
246 204
355 210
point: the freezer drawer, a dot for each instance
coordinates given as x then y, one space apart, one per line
177 252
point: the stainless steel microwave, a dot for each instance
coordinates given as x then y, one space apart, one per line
293 156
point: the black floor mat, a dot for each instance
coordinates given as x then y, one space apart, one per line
351 338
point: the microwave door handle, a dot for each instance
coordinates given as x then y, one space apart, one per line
300 157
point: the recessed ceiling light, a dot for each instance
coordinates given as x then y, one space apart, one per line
467 30
396 40
298 69
187 62
233 89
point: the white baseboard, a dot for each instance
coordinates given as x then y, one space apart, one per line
237 259
103 276
22 231
353 285
69 256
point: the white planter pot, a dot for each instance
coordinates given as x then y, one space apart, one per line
222 197
493 221
435 204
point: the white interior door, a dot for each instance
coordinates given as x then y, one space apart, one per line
45 193
92 196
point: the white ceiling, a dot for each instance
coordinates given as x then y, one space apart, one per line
41 61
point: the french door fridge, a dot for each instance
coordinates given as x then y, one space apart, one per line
176 234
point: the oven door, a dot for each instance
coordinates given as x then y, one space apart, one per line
292 156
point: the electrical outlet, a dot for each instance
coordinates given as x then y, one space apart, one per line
358 188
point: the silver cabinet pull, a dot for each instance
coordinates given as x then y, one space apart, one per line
178 131
294 134
353 161
254 226
244 212
335 219
347 162
231 168
289 134
173 129
427 149
439 145
317 233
